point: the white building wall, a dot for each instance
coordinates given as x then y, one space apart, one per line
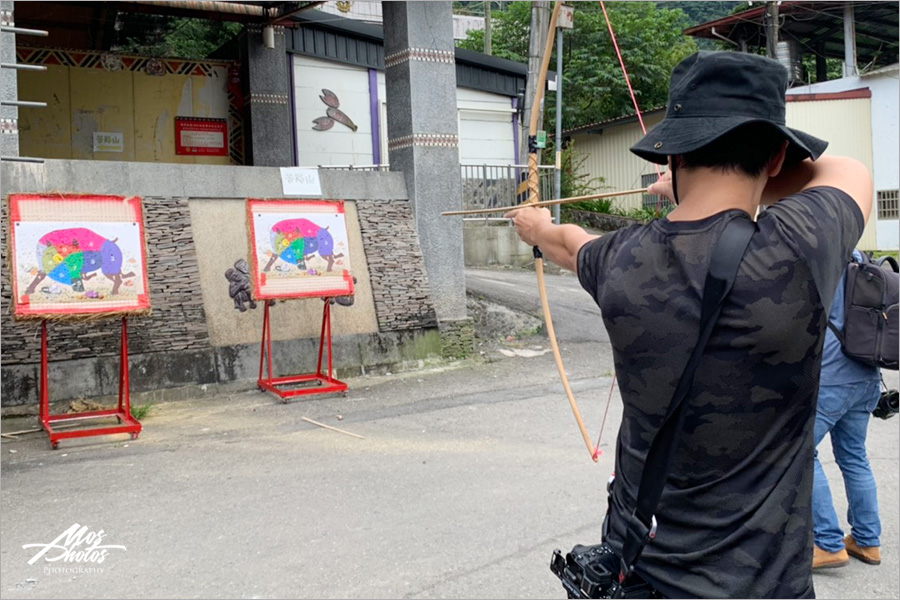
485 128
886 156
339 145
485 120
371 12
884 140
358 10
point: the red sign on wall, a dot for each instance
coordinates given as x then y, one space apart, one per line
201 137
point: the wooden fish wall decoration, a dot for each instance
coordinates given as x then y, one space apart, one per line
333 113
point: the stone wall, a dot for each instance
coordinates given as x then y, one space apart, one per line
601 221
173 347
177 321
396 266
457 338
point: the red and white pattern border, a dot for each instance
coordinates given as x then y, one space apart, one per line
421 54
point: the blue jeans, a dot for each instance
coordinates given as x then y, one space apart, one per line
844 411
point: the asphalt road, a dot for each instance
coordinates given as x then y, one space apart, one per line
468 477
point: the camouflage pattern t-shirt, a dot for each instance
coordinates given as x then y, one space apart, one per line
735 517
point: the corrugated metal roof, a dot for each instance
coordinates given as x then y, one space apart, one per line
818 27
600 125
883 70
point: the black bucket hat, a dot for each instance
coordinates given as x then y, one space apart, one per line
712 93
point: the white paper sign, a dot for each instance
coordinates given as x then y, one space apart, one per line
300 181
109 141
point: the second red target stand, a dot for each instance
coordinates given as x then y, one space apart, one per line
299 249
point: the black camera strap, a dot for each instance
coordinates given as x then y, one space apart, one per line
723 267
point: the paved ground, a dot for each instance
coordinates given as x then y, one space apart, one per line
467 479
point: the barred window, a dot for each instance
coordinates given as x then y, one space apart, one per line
887 204
653 200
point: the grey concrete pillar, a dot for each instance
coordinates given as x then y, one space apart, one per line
271 135
420 73
9 138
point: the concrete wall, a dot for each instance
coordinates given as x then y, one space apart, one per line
424 138
494 244
195 218
220 235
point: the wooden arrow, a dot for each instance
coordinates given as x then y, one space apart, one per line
484 211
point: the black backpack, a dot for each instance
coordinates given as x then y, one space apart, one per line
870 312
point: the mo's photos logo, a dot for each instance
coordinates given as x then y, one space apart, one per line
77 544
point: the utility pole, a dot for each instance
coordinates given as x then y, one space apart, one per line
849 69
771 29
487 28
557 143
540 21
564 22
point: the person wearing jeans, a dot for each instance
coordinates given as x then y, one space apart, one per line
848 392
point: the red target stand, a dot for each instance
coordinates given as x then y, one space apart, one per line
127 423
291 386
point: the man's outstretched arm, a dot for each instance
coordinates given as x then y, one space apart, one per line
559 243
841 172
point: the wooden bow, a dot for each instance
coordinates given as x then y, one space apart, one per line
534 198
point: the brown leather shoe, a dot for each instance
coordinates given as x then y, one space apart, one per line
823 559
867 554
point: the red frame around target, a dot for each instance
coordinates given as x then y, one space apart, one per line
309 261
75 255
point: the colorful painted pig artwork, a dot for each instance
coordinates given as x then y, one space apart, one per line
70 257
297 240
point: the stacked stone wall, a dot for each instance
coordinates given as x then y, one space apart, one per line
177 321
396 266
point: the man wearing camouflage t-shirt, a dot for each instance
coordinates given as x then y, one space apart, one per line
735 516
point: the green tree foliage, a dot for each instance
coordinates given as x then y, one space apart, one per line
172 37
701 11
574 181
594 88
196 38
704 12
510 29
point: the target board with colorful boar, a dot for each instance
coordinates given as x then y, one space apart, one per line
77 256
299 249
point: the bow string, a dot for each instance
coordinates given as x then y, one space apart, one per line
534 198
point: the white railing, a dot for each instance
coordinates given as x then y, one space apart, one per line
485 186
489 186
356 167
